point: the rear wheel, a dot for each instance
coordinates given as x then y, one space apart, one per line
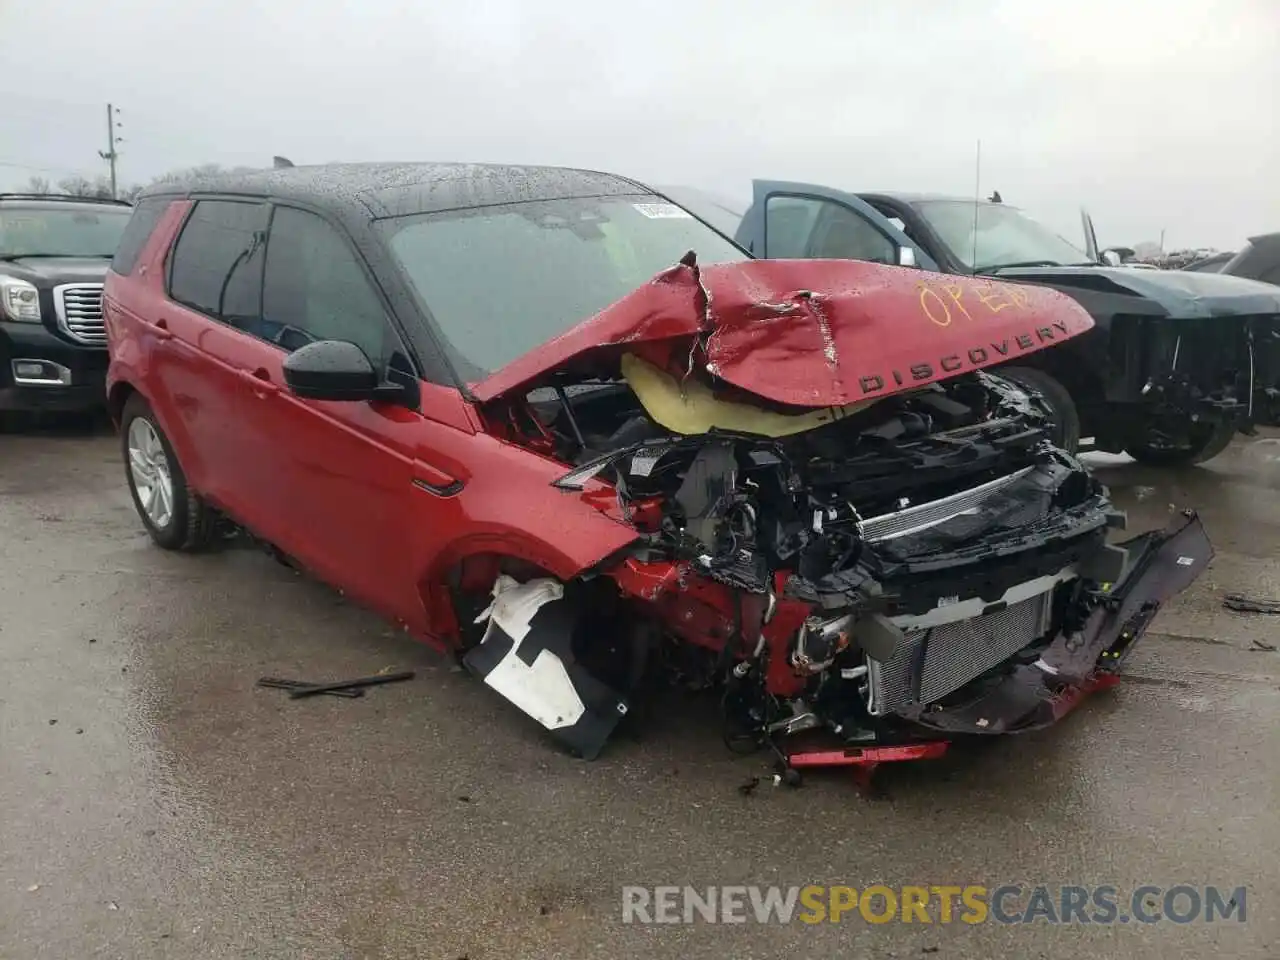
1204 442
1066 418
173 513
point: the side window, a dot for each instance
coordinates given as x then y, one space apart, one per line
216 264
314 289
136 233
788 222
823 229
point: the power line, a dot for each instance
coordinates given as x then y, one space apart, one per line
40 169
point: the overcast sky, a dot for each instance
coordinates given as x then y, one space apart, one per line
1153 115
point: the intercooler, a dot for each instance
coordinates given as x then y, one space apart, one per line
933 662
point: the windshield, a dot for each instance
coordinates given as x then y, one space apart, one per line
499 281
71 230
1006 236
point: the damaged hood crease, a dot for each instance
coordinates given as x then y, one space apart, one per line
810 333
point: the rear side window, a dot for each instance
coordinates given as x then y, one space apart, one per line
216 266
145 217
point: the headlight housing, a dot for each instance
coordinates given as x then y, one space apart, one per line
19 300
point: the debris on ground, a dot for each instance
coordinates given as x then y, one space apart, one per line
279 684
340 688
1263 646
1238 601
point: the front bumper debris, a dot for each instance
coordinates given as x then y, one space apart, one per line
1032 696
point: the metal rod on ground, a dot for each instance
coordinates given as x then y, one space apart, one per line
278 684
350 684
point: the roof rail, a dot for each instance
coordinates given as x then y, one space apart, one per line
63 197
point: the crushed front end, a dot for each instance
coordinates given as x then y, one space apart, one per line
882 575
1188 371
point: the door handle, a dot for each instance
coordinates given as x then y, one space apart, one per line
161 329
259 381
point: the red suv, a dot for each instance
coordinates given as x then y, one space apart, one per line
551 421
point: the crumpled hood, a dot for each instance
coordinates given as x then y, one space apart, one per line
1178 294
814 333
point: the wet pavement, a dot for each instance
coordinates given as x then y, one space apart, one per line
155 803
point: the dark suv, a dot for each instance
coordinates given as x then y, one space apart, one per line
54 253
1176 364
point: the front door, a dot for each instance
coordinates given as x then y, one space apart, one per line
798 221
337 477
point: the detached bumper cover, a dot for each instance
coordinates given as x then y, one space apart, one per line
1033 696
527 657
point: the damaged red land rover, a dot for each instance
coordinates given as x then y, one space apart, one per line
551 422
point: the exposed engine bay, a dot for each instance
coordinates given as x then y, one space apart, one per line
903 568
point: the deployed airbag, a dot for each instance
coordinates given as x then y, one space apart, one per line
691 408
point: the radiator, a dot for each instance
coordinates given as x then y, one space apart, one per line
950 655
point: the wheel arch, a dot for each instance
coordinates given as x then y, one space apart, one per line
472 563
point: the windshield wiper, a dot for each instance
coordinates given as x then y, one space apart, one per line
997 267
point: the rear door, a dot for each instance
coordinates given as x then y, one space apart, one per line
213 286
797 221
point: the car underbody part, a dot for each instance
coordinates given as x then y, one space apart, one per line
527 656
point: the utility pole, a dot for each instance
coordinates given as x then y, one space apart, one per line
110 154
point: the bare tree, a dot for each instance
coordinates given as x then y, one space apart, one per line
80 186
198 173
39 185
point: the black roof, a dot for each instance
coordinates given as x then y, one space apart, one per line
401 189
61 198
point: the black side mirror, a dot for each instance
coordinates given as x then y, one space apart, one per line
331 370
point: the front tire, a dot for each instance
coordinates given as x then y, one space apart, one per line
1206 442
1066 417
173 513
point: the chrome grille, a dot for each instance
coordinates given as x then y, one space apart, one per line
79 310
955 653
922 516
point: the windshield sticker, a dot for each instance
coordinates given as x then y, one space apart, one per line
642 464
662 211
